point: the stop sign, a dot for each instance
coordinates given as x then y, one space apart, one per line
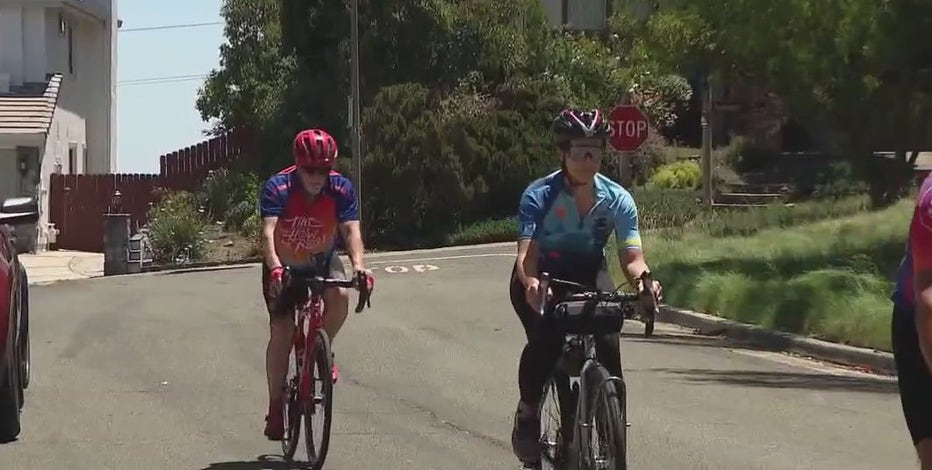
627 127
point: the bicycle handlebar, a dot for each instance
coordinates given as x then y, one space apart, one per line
317 282
581 292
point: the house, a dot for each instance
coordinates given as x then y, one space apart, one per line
577 14
57 95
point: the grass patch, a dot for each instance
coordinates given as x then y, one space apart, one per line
830 279
489 231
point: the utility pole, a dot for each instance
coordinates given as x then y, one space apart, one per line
706 141
354 99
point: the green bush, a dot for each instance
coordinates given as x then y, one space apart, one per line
230 196
176 228
430 172
683 174
648 158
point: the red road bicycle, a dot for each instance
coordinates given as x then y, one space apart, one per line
308 392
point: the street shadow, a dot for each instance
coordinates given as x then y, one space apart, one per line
262 462
785 380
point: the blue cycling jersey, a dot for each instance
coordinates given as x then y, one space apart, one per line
572 245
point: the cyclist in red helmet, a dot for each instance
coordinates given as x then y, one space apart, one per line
309 211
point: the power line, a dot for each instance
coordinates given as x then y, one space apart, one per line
170 26
157 80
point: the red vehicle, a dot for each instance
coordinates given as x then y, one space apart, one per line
14 315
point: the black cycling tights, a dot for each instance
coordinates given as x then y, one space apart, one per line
545 345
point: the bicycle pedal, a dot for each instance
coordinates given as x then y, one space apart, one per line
627 425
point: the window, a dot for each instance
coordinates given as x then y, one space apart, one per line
70 49
73 159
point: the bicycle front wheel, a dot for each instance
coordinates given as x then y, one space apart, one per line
557 408
291 408
608 420
320 408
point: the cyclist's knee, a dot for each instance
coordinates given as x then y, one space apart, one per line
336 294
281 326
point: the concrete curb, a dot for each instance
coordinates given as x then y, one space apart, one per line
877 361
200 264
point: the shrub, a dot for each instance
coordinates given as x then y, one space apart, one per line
649 157
176 228
678 175
224 190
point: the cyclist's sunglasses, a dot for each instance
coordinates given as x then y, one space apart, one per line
315 170
580 153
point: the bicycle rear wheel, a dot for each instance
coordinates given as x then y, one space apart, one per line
321 402
608 448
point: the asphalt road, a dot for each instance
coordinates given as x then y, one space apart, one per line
166 371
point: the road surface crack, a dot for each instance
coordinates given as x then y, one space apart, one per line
434 416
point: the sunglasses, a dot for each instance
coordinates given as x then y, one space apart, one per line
582 153
315 170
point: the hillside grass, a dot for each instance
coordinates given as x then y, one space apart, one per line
830 279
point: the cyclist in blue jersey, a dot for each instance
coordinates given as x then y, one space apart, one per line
565 220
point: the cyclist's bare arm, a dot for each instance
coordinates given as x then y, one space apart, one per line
268 242
526 261
633 263
353 235
628 236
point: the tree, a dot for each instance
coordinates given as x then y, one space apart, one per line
853 67
250 84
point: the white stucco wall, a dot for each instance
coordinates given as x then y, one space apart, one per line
84 91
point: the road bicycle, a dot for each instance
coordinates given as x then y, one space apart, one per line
581 315
303 396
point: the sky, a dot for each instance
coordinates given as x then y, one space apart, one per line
155 117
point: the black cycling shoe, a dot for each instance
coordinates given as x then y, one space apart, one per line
525 437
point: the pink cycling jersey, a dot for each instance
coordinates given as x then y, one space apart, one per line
918 248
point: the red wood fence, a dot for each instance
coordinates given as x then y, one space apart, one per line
77 203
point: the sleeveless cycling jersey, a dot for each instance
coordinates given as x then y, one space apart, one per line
918 248
572 245
307 230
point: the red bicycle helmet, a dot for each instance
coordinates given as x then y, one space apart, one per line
314 148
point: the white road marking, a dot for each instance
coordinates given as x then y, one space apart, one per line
439 258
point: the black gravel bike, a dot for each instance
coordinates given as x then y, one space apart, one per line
590 417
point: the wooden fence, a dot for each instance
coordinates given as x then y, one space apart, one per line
77 203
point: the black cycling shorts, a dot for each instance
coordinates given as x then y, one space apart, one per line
291 297
913 376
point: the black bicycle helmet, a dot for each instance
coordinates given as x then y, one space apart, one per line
575 123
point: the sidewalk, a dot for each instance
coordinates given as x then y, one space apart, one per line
52 266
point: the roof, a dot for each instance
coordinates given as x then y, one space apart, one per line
28 109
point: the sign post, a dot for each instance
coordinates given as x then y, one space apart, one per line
628 128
